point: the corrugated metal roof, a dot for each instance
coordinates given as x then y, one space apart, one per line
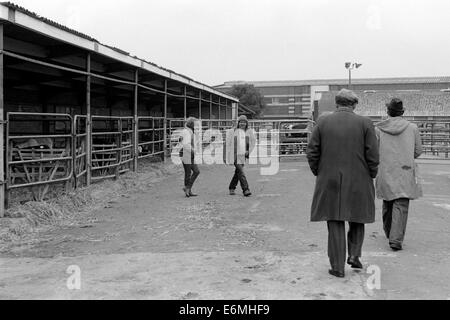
43 19
27 12
326 82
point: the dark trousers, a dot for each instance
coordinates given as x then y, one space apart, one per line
191 173
239 176
337 243
395 217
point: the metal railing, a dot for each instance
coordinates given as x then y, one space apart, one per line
435 135
80 151
435 138
54 149
283 138
280 138
151 137
174 125
39 160
112 146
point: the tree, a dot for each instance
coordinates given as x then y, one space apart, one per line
249 96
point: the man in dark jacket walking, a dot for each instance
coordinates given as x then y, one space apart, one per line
343 155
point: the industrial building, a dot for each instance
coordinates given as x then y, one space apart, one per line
429 96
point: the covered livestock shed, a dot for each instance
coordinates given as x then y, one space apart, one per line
73 110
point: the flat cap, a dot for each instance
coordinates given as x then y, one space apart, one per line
346 98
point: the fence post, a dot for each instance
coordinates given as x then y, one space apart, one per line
448 140
210 111
88 121
220 115
2 127
119 146
153 137
185 103
165 122
432 139
73 142
200 105
74 152
136 121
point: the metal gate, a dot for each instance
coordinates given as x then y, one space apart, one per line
151 137
80 152
112 151
435 138
283 138
42 156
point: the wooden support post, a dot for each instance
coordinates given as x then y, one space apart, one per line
220 114
234 111
165 121
226 111
210 112
185 103
119 145
136 121
88 122
2 127
200 105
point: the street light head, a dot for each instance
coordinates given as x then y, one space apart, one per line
357 65
348 65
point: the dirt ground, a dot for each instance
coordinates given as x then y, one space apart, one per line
157 244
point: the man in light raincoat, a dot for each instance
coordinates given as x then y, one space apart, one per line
397 183
240 142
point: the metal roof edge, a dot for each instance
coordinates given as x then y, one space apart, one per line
37 23
355 81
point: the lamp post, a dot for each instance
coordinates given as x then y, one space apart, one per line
350 66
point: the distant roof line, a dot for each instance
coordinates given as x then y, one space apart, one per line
34 15
325 82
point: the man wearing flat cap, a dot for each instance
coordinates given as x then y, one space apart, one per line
343 155
397 184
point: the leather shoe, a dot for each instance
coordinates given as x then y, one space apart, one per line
186 192
336 273
396 247
354 262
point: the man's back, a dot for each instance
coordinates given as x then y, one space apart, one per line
343 154
400 144
343 142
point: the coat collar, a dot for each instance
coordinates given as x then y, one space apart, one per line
345 109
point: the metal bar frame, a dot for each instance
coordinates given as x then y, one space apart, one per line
135 121
3 189
88 121
68 137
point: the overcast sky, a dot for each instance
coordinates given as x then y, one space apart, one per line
213 41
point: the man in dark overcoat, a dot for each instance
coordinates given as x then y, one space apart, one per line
343 155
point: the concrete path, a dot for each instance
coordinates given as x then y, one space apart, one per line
158 244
